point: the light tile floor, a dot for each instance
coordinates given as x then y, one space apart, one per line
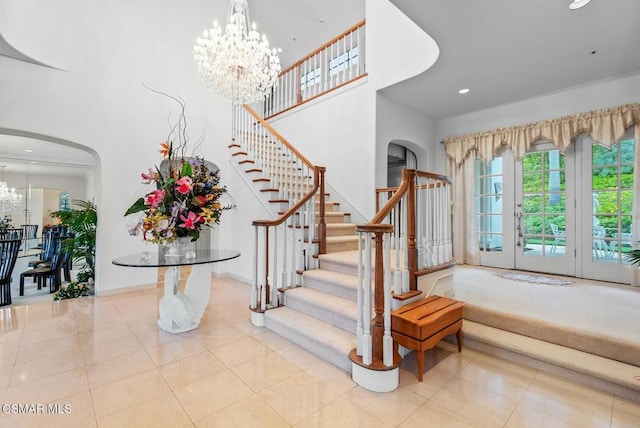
105 363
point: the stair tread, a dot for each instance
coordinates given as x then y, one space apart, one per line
328 302
342 279
341 226
314 329
342 238
579 361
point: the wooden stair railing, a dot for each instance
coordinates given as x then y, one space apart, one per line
414 222
333 65
298 231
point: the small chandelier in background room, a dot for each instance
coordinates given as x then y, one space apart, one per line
237 64
577 4
9 199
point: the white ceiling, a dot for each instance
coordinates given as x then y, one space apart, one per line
503 50
509 50
45 158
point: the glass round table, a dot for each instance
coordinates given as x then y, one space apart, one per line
180 312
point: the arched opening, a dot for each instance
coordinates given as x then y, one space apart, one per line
49 173
398 158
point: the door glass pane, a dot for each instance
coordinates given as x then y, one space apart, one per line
544 203
489 203
612 182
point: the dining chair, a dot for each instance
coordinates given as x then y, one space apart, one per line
50 271
11 234
8 255
47 249
30 231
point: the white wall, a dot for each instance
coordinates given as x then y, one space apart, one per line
98 101
337 132
398 122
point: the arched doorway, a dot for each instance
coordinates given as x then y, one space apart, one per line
398 158
47 172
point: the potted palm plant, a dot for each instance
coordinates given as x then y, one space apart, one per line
82 222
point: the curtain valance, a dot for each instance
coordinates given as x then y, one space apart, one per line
604 126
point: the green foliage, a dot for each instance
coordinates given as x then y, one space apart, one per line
82 222
71 291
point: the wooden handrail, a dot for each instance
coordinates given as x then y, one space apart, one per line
318 172
278 136
321 48
321 94
396 197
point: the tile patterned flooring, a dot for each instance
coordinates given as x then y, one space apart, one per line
105 363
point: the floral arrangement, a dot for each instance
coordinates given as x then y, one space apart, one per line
186 195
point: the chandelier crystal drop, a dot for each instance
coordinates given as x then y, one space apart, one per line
9 199
237 64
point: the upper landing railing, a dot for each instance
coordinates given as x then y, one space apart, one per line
336 63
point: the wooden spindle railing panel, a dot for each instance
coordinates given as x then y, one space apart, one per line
313 76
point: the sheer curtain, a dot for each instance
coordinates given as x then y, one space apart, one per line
466 248
605 126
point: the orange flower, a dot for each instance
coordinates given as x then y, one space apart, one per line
166 148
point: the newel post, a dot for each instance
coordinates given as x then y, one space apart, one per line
377 325
412 252
322 226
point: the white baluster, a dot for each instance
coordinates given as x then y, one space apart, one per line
254 289
397 273
359 300
366 299
274 268
387 340
405 247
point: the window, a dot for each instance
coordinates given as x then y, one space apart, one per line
489 203
344 60
310 78
64 201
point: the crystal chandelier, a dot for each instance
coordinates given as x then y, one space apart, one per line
237 64
9 199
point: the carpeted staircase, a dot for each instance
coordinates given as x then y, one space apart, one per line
320 315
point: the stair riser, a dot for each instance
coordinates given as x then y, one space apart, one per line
308 308
339 267
340 231
320 349
341 246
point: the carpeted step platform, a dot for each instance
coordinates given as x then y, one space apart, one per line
614 348
599 372
326 341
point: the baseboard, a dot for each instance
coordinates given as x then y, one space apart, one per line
124 290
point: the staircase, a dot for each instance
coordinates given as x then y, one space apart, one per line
320 314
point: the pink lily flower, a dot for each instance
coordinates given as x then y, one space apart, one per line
184 185
190 221
155 198
149 178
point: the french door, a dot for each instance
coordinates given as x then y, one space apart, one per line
562 213
544 211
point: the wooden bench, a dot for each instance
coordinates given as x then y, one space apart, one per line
421 325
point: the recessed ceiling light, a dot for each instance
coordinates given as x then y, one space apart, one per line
577 4
464 91
28 150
